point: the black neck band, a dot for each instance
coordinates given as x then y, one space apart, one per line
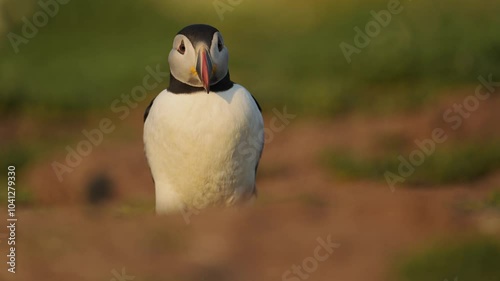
177 87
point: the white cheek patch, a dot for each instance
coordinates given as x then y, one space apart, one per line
214 49
219 59
182 66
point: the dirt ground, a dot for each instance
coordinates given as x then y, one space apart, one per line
60 237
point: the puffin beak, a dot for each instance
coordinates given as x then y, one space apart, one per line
204 68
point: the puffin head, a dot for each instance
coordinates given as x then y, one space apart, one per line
199 57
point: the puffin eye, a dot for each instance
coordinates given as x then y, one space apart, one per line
182 48
220 45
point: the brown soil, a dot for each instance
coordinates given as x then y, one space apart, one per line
62 238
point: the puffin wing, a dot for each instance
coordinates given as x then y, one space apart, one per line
261 148
146 113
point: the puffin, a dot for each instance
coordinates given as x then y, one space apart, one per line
204 134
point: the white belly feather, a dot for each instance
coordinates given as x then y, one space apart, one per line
203 148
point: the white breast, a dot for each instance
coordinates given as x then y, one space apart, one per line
203 148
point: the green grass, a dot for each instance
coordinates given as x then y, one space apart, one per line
86 56
18 156
134 208
457 163
473 260
24 197
93 51
493 200
21 155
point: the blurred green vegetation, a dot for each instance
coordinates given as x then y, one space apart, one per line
21 155
24 196
284 52
89 54
454 163
494 200
491 202
18 155
476 259
134 208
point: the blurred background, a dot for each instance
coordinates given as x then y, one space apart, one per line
354 112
